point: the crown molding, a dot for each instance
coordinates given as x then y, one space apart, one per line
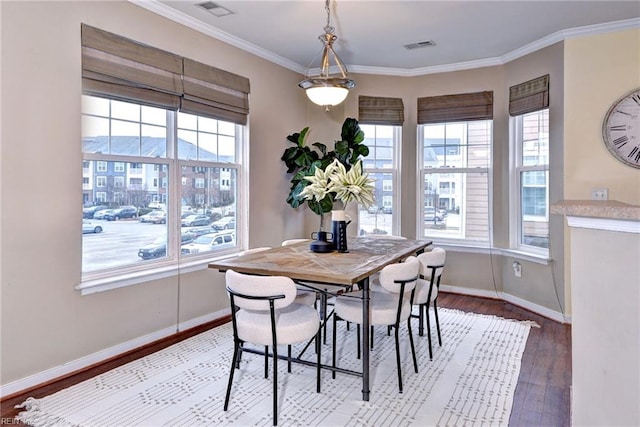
186 20
571 33
181 18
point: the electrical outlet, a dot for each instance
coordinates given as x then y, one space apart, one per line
599 194
517 269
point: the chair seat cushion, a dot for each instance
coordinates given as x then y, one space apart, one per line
422 292
294 323
383 307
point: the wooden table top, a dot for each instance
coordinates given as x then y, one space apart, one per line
366 256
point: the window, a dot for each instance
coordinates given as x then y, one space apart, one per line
531 179
455 185
381 165
381 121
151 117
455 134
134 160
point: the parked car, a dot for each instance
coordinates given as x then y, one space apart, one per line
154 217
101 214
89 227
225 223
193 220
196 232
89 212
209 242
122 212
431 214
158 248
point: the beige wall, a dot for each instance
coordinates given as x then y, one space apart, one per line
604 273
598 70
45 323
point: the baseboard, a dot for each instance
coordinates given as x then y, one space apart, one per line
538 309
102 355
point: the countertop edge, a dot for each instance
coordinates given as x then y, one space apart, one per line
606 209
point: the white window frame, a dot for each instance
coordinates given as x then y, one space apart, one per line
447 171
515 206
395 171
174 263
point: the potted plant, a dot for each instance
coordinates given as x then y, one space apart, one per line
321 177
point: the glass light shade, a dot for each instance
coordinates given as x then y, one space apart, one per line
327 95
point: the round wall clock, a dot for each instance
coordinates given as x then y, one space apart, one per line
621 129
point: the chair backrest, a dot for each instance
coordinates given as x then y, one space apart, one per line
259 286
254 250
436 257
392 276
293 241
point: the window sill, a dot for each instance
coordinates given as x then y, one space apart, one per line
102 284
537 258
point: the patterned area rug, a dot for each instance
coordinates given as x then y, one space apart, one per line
470 381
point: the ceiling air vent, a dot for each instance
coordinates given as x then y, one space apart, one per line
427 43
215 9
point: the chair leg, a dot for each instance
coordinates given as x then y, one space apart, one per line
421 319
371 337
266 361
318 350
234 360
358 339
289 359
398 360
333 358
435 310
429 332
275 385
413 349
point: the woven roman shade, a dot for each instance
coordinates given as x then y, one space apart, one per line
123 69
455 108
216 93
376 110
529 96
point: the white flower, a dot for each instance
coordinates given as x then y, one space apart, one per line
347 186
352 185
319 185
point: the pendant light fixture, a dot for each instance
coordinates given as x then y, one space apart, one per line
328 89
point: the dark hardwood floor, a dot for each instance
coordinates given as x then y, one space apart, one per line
542 396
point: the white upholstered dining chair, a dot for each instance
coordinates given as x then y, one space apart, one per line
432 264
388 308
264 313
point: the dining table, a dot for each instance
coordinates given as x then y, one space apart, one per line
365 257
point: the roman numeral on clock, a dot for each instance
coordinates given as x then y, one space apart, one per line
618 127
636 98
635 152
620 142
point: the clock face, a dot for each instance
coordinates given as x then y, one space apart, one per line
621 129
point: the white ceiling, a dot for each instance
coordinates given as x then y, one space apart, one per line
371 33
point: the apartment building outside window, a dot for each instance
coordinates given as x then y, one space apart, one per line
381 121
529 182
455 135
150 118
531 179
129 242
455 184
